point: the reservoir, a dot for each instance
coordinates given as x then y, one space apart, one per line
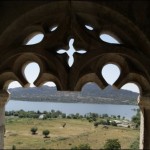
126 111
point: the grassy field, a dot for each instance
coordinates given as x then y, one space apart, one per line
76 132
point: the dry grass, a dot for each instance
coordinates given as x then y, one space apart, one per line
76 132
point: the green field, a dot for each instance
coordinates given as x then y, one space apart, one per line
76 132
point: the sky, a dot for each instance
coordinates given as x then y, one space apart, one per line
110 72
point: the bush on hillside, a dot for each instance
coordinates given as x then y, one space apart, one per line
81 147
112 144
46 133
33 130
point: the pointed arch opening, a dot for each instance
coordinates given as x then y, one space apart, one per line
14 84
50 84
131 87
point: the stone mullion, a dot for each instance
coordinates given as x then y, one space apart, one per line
144 104
3 99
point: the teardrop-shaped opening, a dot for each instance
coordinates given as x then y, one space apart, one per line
31 72
89 27
110 73
53 28
34 38
109 39
131 87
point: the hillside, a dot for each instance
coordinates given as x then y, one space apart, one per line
90 93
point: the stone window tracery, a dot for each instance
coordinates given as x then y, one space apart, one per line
86 25
131 54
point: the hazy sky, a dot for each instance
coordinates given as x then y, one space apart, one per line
110 72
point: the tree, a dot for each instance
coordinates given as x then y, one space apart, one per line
136 119
105 115
46 133
63 115
123 117
33 130
112 144
118 116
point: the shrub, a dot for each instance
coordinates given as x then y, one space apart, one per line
84 146
63 115
96 124
135 144
33 130
136 119
112 144
113 123
46 133
13 147
90 120
74 148
64 124
103 122
81 147
68 117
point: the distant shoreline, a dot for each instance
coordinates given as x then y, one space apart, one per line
32 100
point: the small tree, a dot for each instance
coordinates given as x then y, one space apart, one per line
112 144
46 133
33 130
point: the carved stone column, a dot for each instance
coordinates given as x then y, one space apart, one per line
4 95
144 104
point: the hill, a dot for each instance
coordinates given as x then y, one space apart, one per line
90 93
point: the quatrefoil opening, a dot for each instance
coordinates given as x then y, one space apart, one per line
70 52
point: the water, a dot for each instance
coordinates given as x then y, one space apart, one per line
72 108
